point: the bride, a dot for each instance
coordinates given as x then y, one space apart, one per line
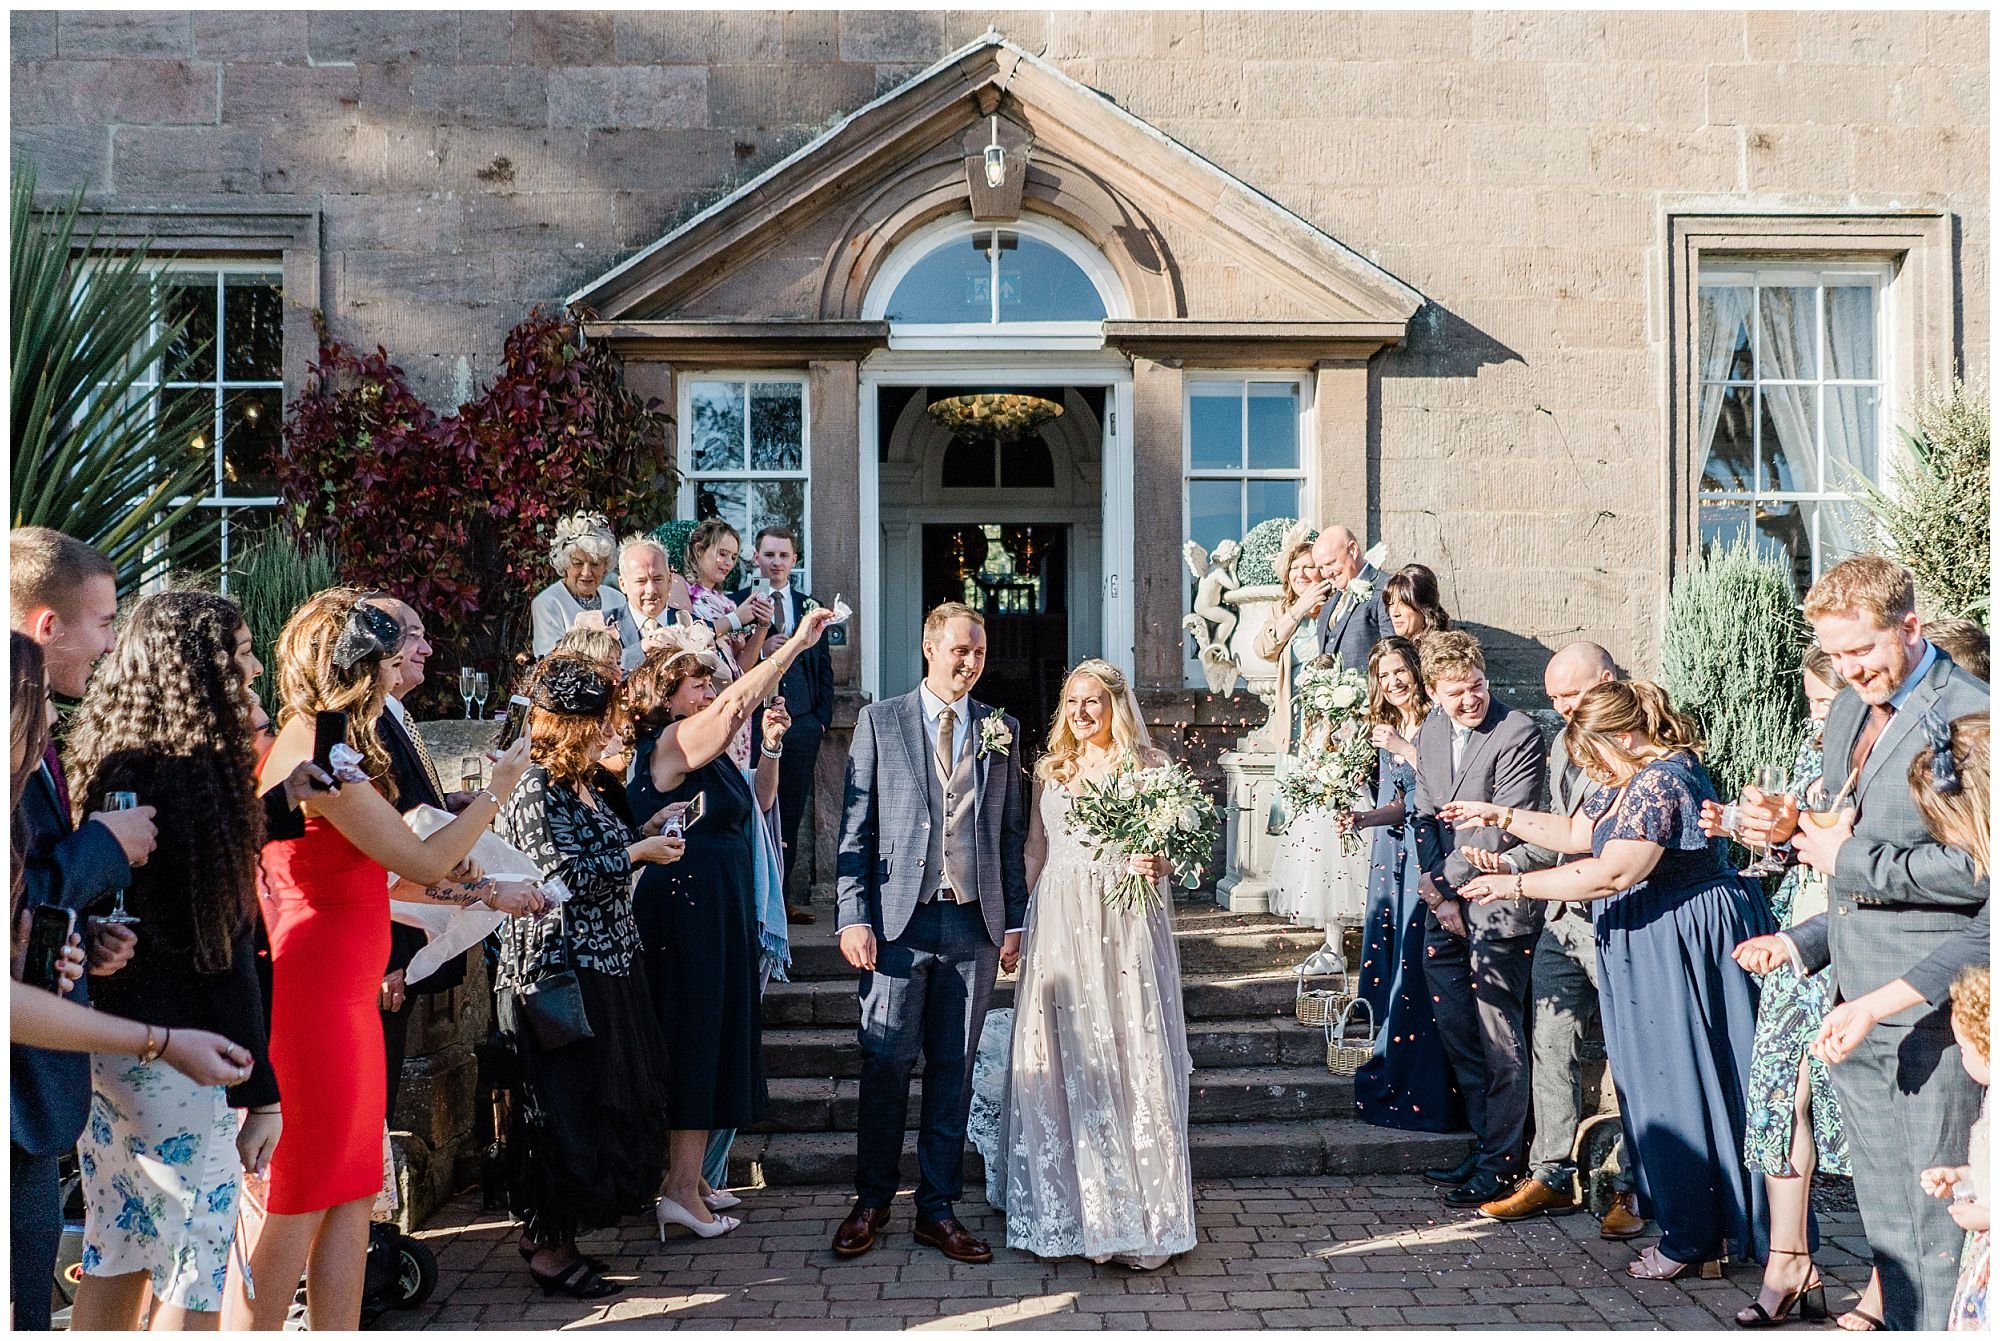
1092 1152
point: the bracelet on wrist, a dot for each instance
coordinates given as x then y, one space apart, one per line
489 794
152 1050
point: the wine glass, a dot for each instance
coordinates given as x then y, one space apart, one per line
481 687
121 801
470 778
1772 780
468 680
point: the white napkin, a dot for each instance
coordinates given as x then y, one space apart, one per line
452 929
841 611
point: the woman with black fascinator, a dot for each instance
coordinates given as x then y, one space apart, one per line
590 1113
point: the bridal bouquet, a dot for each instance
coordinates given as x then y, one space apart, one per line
1140 811
1337 763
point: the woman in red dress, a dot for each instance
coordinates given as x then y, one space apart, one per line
328 911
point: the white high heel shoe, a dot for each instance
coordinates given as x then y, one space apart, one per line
671 1212
717 1200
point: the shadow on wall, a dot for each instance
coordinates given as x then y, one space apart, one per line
1514 662
1444 344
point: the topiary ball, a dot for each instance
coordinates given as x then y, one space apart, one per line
1258 565
674 535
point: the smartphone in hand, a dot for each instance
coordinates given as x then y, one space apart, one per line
517 722
329 730
49 929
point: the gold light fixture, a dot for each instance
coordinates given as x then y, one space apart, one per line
993 416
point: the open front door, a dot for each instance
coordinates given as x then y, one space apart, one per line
1120 636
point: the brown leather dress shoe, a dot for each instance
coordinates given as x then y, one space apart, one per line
952 1239
1622 1220
799 916
857 1232
1530 1198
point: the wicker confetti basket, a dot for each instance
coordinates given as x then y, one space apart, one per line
1319 1006
1344 1055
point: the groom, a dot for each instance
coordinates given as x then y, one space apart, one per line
933 892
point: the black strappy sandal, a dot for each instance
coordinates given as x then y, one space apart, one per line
579 1280
1802 1298
1875 1324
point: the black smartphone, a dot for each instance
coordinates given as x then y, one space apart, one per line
516 723
329 730
49 930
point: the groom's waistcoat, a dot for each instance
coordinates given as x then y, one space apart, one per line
954 837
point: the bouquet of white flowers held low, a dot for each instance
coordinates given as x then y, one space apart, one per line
1137 811
1336 763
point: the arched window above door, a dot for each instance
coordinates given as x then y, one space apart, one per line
1029 278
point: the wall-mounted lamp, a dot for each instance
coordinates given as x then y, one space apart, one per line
996 158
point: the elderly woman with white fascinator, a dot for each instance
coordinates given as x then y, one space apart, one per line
581 553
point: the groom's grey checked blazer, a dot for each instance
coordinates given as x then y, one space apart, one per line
885 832
1902 905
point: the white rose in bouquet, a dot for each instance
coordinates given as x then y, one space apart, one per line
1345 696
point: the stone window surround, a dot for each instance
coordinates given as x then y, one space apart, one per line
1921 322
687 496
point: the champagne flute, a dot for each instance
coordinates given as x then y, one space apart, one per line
467 682
121 801
470 778
481 687
1772 781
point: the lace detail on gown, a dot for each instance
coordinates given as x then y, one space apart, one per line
1085 1128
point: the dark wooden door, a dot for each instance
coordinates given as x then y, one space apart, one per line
1018 577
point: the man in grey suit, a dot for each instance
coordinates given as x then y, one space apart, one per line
1477 959
1905 914
1564 984
933 894
1353 619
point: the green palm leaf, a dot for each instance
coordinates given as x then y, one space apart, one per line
99 453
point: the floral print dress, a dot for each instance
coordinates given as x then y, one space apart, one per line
1789 1012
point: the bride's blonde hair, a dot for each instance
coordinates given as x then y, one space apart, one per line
1060 760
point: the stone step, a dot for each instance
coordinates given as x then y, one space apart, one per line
1215 1095
1240 946
1206 996
1236 1150
835 1052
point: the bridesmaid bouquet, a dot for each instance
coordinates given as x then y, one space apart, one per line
1336 765
1144 811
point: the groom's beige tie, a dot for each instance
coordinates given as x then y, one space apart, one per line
947 754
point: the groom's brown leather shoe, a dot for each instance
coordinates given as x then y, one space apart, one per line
952 1239
856 1234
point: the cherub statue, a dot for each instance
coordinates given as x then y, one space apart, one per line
1213 622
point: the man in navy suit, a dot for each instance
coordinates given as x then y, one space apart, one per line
807 691
64 595
1353 619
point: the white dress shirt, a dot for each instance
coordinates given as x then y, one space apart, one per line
1460 734
933 705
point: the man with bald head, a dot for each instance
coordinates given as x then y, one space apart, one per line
1353 619
1564 988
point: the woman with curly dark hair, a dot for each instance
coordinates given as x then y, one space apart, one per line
167 718
589 1115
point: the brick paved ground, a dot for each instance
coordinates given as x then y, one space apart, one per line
1318 1252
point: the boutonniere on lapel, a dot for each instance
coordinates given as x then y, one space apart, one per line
807 606
995 736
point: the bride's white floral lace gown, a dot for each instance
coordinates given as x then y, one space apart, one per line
1091 1155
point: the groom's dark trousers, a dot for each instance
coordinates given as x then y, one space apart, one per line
928 994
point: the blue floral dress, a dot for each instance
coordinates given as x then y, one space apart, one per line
1789 1011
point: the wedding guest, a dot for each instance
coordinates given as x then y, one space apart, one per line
593 644
808 695
1969 1186
1352 619
1411 598
1476 958
1407 1083
740 632
1564 982
1964 642
168 719
697 919
647 577
581 554
63 596
1678 1017
1922 913
1291 638
1094 1115
329 929
589 1116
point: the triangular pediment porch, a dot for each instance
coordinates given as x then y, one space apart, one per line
1204 257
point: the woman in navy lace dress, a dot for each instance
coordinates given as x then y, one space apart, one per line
1679 1015
1408 1083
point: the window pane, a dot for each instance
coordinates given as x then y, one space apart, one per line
776 502
1844 529
1274 426
717 442
1791 429
1788 323
952 284
1850 330
1271 498
250 441
727 499
1215 512
245 529
253 328
1215 426
191 401
968 464
1784 533
1027 464
777 425
1723 521
191 356
1724 317
1039 283
1853 416
1726 411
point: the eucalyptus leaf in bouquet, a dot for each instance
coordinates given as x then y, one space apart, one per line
1147 811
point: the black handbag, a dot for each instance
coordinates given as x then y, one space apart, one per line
551 1000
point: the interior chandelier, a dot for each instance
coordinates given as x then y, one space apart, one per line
999 416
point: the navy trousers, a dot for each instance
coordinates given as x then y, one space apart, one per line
35 1236
927 994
